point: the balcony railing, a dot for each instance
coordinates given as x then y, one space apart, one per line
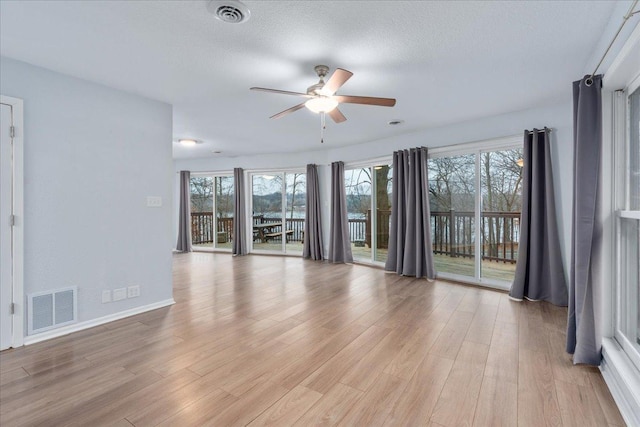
453 233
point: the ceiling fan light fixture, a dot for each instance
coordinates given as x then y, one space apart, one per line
321 104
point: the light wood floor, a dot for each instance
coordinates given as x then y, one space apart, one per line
262 340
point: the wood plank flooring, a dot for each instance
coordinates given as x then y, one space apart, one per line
280 341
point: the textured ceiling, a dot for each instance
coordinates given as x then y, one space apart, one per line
444 61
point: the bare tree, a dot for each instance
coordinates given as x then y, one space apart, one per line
201 194
501 189
383 181
451 182
297 186
224 196
358 188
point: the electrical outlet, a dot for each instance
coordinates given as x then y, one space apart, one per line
120 293
154 201
133 291
106 296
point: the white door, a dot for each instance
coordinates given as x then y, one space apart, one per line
6 238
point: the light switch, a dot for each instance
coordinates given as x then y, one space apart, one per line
154 201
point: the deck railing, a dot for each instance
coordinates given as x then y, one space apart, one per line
202 228
452 232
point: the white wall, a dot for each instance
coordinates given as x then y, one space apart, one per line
558 117
91 156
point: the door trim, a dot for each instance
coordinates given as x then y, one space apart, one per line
17 339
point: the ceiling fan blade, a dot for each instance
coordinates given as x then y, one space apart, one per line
337 79
282 92
366 100
337 115
287 111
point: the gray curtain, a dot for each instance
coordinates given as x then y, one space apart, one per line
239 214
313 245
184 216
410 251
539 271
339 242
586 233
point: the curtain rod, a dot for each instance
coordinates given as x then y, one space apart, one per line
629 14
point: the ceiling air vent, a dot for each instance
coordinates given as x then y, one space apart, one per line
231 11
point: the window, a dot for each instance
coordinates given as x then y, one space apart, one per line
212 199
368 191
475 196
278 206
628 229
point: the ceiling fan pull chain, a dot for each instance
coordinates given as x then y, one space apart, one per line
322 126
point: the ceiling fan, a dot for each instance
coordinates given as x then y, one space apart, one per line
322 96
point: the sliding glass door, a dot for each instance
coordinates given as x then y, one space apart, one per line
501 203
452 199
212 211
368 191
278 207
357 184
475 201
296 195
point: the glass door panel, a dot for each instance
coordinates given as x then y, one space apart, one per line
296 186
202 235
501 190
224 200
452 198
383 176
358 190
267 212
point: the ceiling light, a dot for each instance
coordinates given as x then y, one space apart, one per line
188 142
321 104
230 11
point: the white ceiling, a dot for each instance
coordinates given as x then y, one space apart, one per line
444 61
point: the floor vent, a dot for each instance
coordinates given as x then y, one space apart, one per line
52 309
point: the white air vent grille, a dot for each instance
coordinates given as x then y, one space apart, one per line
230 11
51 309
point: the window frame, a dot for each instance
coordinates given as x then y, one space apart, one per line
625 301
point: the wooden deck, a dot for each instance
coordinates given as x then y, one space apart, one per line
280 341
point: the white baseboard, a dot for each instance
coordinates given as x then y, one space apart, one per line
66 330
623 380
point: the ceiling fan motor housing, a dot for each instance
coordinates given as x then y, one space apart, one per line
315 89
321 71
